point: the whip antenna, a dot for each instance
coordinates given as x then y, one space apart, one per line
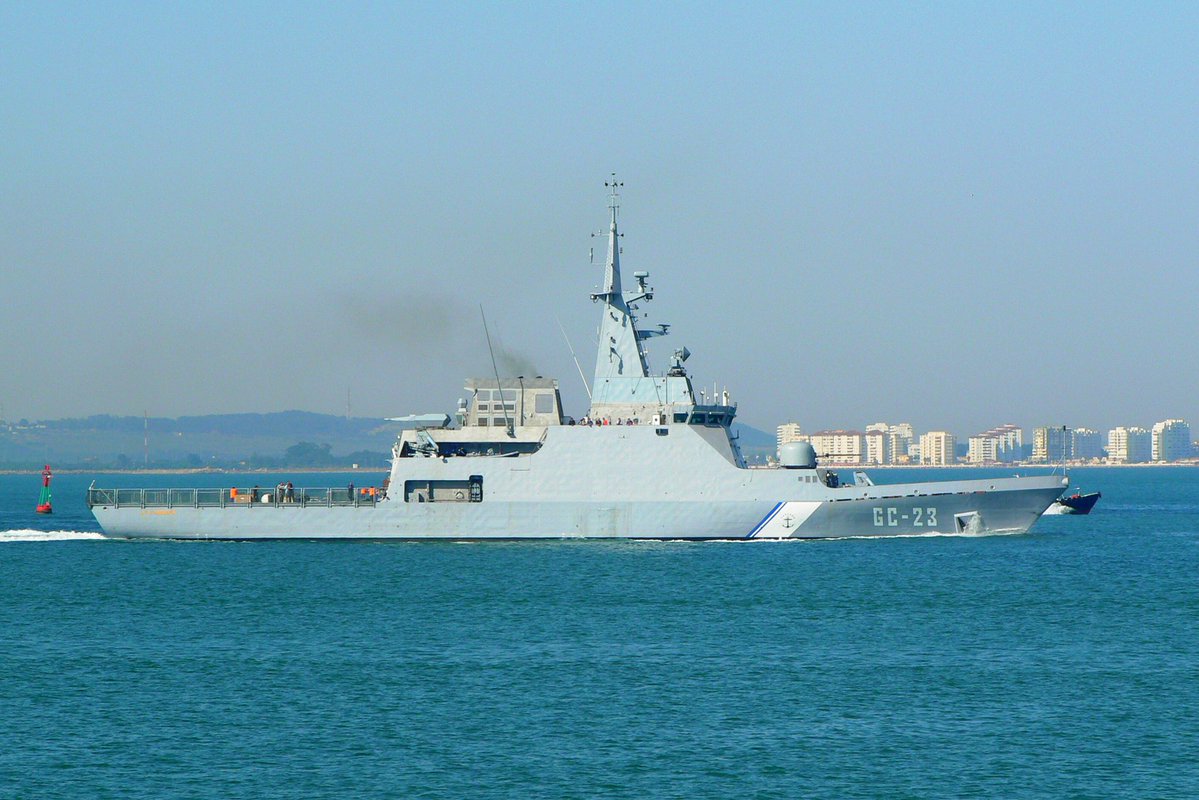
572 355
499 388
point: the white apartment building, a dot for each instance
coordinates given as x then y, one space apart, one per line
1000 444
877 450
1171 440
937 448
983 449
1051 444
1128 445
789 432
899 443
839 447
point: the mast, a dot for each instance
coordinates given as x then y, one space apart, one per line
612 267
623 385
619 353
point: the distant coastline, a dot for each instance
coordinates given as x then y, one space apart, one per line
367 470
198 471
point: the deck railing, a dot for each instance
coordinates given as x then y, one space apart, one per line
230 498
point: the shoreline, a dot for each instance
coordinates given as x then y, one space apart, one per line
195 471
385 470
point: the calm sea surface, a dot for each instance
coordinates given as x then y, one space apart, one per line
1062 663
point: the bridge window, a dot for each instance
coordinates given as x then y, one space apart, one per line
680 417
699 419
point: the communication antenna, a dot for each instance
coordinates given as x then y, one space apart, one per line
1065 431
572 355
614 196
499 388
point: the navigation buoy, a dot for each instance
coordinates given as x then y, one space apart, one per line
43 502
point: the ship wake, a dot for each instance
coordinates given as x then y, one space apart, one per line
30 535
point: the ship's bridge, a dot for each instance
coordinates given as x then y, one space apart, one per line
513 402
509 417
712 416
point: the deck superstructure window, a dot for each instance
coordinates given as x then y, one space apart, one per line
680 417
543 404
699 419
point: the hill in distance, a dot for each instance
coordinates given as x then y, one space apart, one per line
224 441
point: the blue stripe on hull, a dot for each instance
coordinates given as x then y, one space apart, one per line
764 521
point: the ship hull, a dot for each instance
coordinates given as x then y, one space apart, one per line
965 507
1076 504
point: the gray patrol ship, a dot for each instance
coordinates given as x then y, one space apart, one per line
648 461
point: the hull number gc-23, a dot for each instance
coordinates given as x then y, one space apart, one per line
891 517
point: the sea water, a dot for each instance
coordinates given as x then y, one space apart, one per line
1061 663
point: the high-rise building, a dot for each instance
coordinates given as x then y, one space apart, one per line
1128 445
899 443
1086 444
1171 440
877 450
998 444
1051 444
839 447
937 448
789 432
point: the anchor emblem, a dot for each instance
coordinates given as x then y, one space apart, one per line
787 520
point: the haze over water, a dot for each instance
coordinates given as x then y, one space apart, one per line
956 216
1055 664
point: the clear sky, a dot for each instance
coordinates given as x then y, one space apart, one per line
952 214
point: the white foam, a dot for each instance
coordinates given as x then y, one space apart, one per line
30 535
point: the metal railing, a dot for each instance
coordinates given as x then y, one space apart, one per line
231 498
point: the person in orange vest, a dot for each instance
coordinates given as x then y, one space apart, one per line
233 494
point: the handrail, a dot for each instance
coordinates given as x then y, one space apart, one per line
237 497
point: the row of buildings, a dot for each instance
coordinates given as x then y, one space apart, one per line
883 443
1168 440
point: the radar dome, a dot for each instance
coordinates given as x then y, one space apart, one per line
797 455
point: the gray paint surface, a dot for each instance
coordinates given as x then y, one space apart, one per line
675 474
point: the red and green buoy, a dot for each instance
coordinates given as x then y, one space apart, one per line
43 502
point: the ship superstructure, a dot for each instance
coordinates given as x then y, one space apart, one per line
647 461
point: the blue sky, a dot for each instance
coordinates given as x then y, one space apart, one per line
953 214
